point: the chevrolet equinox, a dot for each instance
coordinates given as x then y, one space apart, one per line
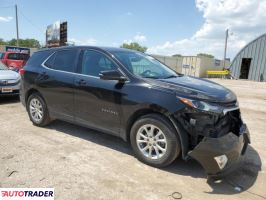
132 95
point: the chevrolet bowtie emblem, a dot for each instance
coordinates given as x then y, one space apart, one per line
4 82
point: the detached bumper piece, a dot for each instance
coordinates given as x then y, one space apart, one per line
221 155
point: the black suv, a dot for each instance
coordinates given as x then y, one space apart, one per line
134 96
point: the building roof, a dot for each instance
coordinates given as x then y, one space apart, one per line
263 35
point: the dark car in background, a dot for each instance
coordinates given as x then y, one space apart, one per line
131 95
14 60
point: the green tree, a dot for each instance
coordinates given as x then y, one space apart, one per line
2 42
31 43
206 55
135 46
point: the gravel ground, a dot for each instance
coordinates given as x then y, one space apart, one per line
84 164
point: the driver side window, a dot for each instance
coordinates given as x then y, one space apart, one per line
94 62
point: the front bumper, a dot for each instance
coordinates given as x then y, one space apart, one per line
15 90
230 145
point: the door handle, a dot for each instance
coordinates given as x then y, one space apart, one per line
81 82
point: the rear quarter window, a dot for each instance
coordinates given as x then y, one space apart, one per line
38 58
2 55
63 60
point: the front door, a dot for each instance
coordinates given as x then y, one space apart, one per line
96 100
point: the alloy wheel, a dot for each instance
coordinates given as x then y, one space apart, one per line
36 110
151 141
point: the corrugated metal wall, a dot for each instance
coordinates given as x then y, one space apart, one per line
256 50
191 65
173 62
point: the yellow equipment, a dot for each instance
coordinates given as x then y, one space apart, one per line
222 72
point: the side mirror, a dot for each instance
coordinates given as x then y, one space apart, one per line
112 75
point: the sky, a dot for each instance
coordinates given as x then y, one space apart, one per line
167 27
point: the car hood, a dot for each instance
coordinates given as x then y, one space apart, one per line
8 75
196 88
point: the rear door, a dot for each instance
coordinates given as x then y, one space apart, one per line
56 81
96 100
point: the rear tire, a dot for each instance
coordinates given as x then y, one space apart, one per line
37 110
154 140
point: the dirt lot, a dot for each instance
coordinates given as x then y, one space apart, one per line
83 164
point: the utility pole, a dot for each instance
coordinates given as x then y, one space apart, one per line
16 10
225 47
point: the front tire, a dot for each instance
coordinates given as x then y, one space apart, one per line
37 110
154 140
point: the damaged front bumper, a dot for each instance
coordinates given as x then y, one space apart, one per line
220 155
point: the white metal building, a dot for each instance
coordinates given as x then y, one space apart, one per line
200 64
193 65
174 62
250 62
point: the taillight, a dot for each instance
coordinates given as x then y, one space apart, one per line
22 72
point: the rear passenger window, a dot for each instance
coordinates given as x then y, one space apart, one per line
63 60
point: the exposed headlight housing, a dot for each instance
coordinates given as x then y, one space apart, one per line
201 105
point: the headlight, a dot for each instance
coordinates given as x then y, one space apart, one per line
191 93
14 81
201 105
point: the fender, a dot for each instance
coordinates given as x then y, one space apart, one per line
183 136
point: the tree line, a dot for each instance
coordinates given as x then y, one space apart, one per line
138 47
33 43
30 43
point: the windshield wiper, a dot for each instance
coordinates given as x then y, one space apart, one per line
153 77
171 76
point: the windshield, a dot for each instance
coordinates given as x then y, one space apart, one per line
144 65
2 66
18 56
